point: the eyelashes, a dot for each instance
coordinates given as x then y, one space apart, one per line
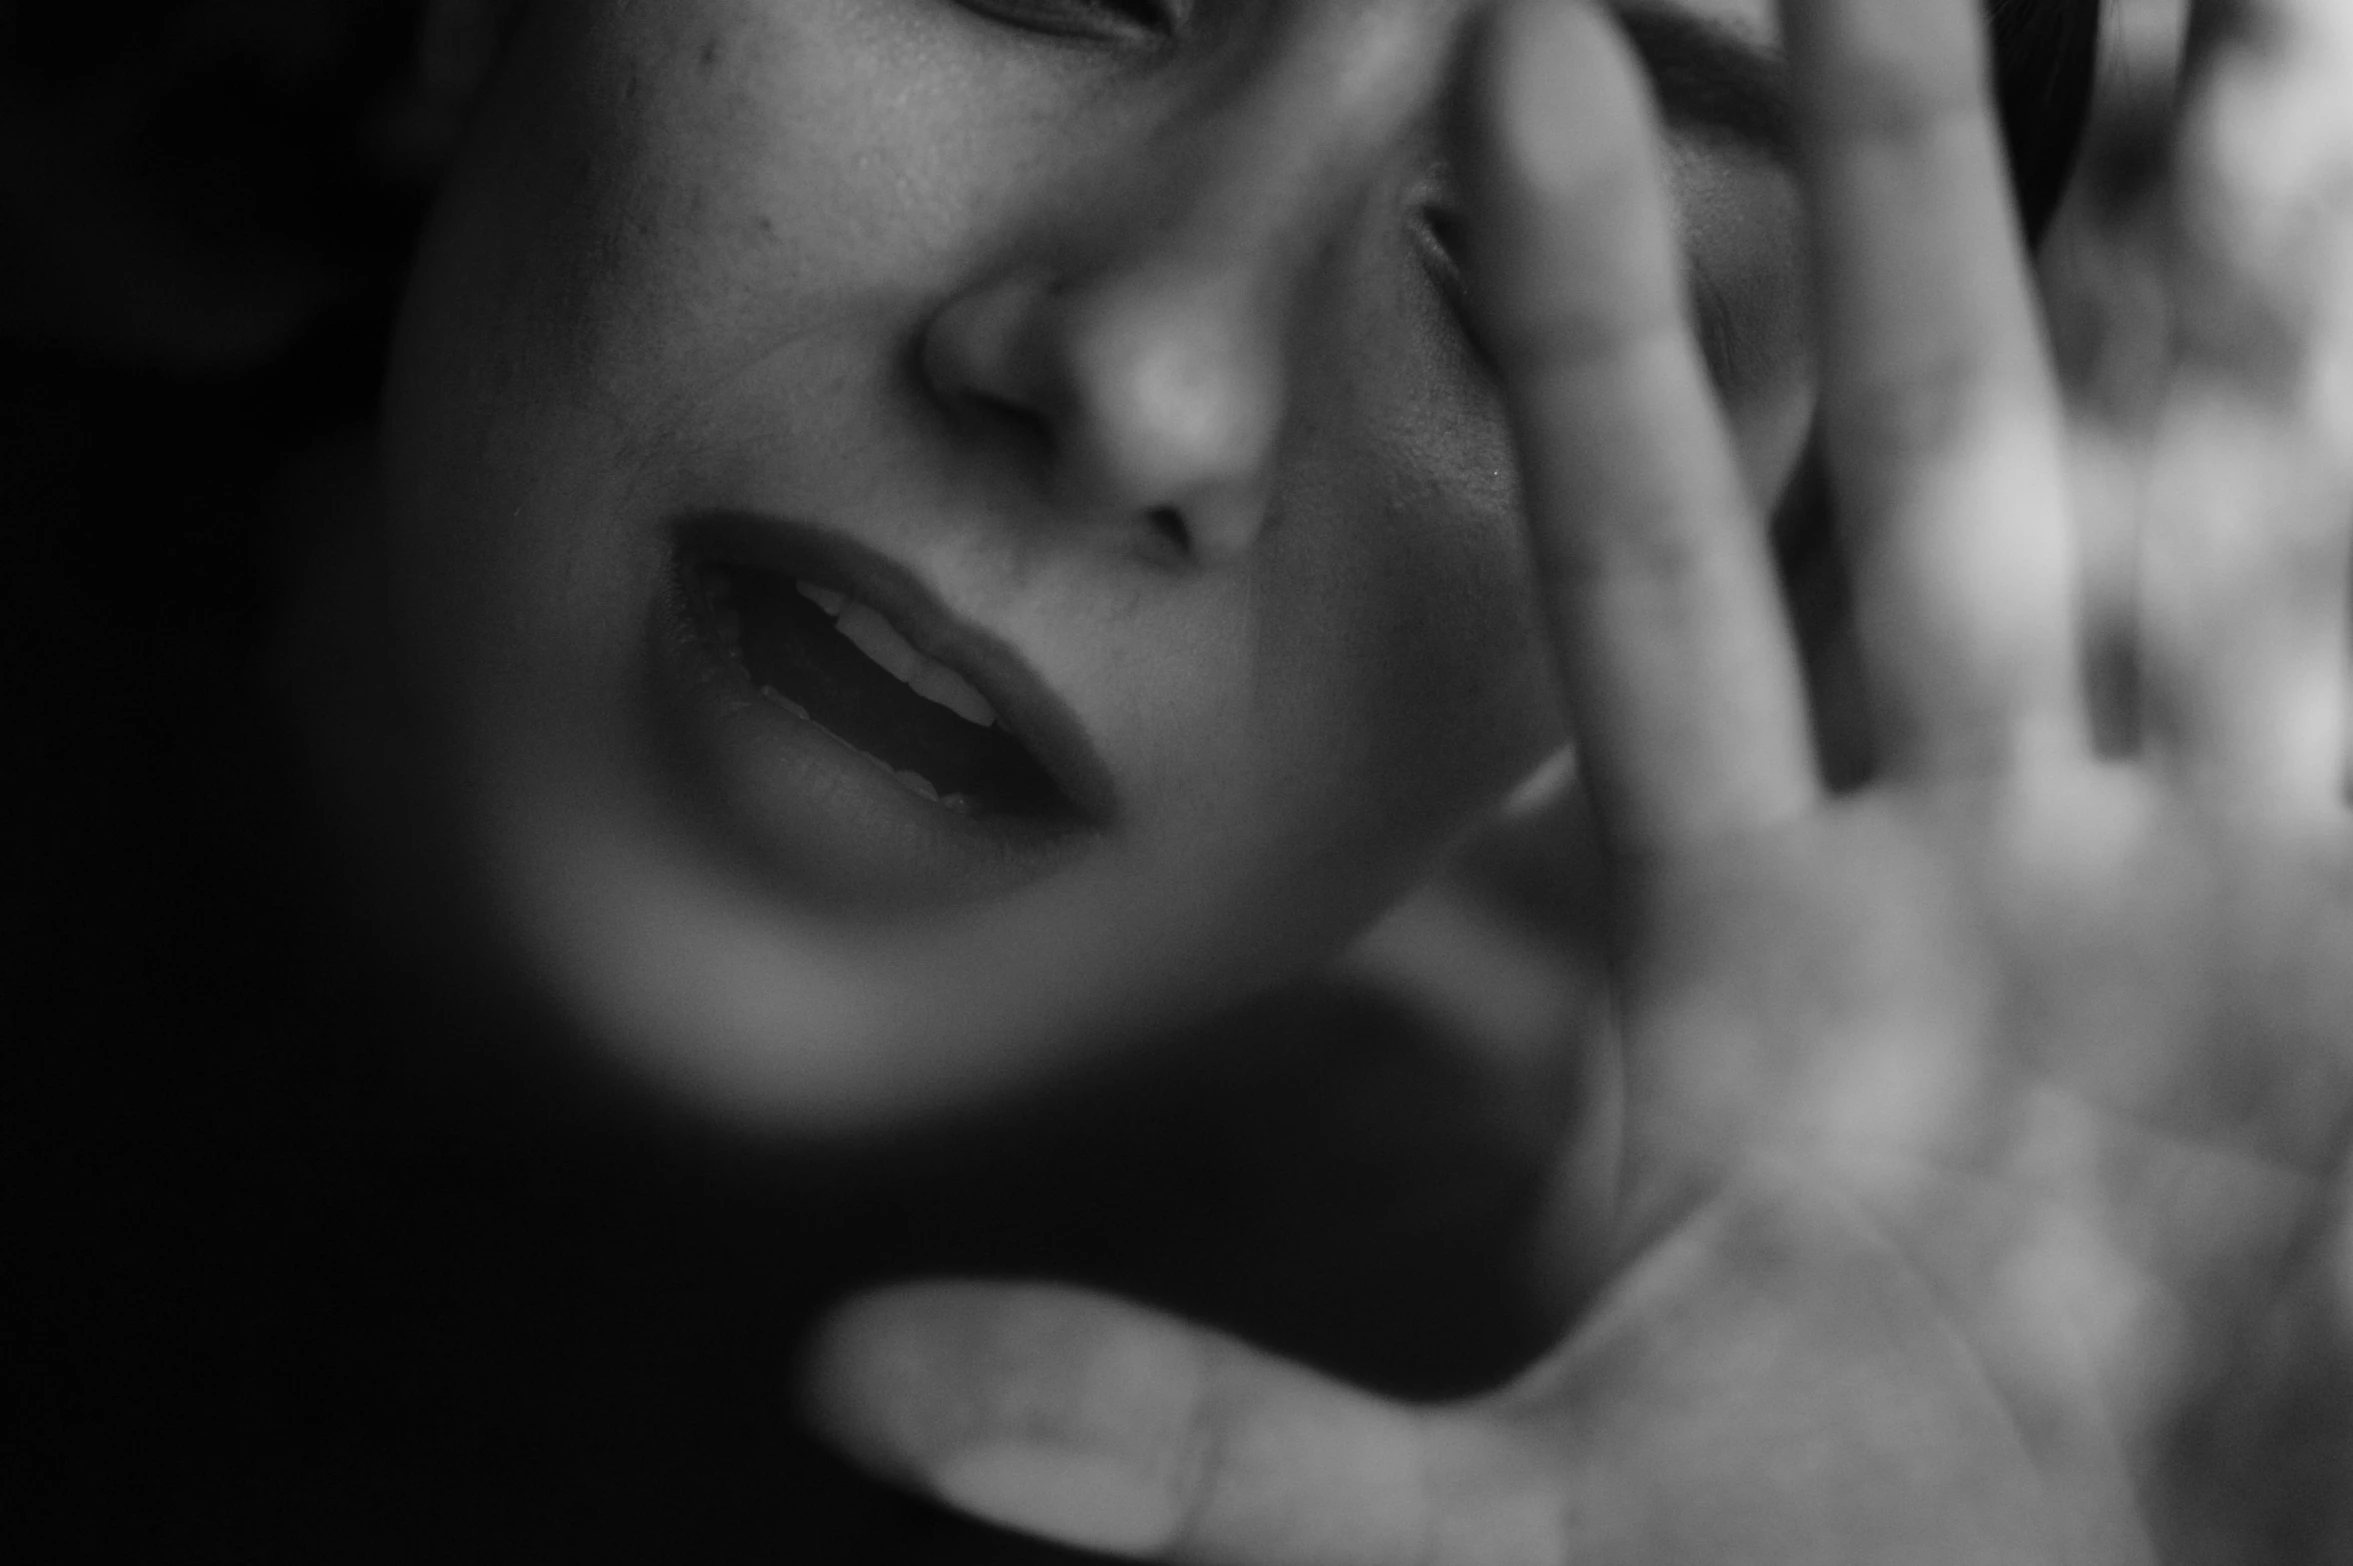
1116 21
1438 225
1725 342
1726 337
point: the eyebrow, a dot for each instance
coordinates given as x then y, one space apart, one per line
1712 80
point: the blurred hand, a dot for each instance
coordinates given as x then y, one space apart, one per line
1982 1125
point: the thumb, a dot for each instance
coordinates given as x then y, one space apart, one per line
1112 1428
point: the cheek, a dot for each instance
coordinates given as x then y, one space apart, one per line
1453 684
1743 227
674 221
1425 689
1421 671
757 182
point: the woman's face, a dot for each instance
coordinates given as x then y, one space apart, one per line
938 528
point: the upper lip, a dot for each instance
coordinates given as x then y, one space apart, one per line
1025 704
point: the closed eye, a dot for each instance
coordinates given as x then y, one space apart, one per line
1714 318
1136 20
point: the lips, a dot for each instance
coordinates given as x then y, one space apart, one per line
837 662
836 638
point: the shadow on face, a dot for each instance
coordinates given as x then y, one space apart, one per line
935 531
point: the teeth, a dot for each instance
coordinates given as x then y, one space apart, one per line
824 598
913 782
945 686
719 597
878 639
922 788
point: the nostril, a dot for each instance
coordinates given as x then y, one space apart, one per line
1017 421
1169 525
1146 400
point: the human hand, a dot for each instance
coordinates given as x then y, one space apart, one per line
1978 1120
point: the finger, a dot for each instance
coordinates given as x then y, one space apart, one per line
2296 39
2246 571
2246 560
1110 1428
2264 201
1682 683
1938 406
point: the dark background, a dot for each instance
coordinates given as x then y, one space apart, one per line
303 1258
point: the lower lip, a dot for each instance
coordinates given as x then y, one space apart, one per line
831 824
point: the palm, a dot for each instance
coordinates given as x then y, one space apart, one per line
2000 1113
1903 981
1981 1126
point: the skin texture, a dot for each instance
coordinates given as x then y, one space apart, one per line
1135 348
1984 1182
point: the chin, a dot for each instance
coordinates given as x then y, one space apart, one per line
757 1013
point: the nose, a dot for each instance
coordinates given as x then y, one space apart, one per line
1150 392
1141 352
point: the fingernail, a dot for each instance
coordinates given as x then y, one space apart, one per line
1070 1497
1558 79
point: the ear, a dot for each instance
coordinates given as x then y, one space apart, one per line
458 42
